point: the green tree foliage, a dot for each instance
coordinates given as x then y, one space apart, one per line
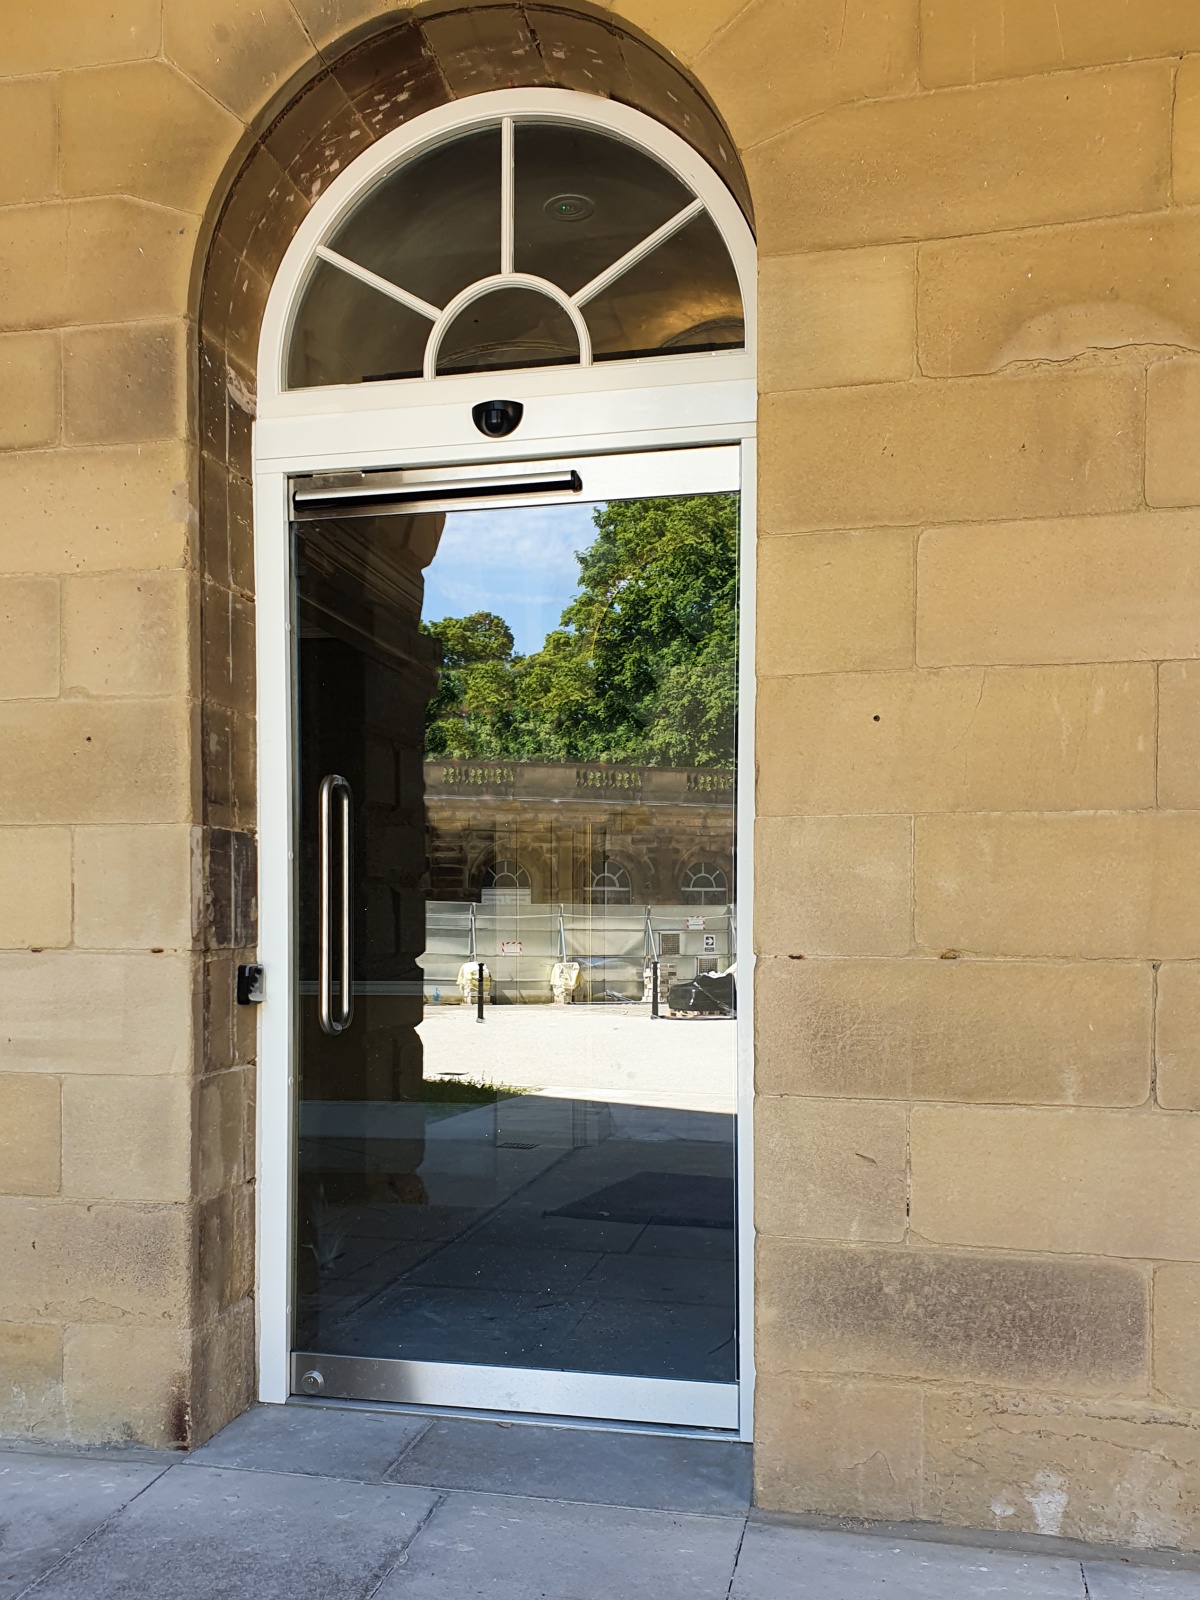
642 667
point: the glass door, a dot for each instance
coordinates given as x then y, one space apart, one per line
516 708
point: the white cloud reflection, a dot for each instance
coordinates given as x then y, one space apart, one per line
519 563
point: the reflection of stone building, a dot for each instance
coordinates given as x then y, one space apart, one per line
579 833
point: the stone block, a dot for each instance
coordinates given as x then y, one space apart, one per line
30 1133
31 1360
830 1169
1102 885
127 1138
78 33
143 129
1013 38
836 602
127 633
837 886
1109 1471
88 510
224 1100
684 30
1037 150
229 675
840 318
29 622
75 1011
122 1384
27 125
127 260
1058 293
1177 1036
1080 1182
33 266
225 1251
1088 589
29 381
224 1369
777 64
329 21
1177 1332
1004 1032
1009 739
1038 444
242 53
95 761
125 383
837 1448
1172 418
1179 734
35 888
136 888
1185 154
1079 1326
78 1261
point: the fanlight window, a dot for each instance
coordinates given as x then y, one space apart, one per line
505 882
609 884
522 244
705 885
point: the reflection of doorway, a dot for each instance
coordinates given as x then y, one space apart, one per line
540 1212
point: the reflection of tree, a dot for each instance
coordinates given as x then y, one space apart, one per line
642 667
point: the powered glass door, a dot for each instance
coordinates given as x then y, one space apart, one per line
516 710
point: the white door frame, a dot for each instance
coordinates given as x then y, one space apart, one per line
620 409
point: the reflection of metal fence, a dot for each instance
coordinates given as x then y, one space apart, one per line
613 946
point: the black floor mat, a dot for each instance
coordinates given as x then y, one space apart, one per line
668 1199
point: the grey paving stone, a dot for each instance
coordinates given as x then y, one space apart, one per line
49 1504
314 1441
621 1469
209 1533
1112 1580
477 1546
801 1564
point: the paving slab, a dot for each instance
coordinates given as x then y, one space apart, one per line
211 1533
1112 1580
486 1547
805 1564
591 1465
50 1504
322 1442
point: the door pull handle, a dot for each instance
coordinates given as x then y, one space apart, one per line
334 1021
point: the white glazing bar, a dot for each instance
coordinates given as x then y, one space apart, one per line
508 201
638 253
374 281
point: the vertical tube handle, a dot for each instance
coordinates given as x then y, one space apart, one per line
331 1021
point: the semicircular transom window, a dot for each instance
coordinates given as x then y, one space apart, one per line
520 244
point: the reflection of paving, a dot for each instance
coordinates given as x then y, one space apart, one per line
610 1051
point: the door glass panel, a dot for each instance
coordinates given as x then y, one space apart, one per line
520 1150
348 332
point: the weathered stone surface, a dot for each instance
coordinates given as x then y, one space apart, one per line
1185 155
1172 417
31 1361
33 266
837 886
128 633
75 1011
1057 293
776 64
224 1370
35 888
994 1031
1015 739
1106 1471
1084 1182
136 888
127 260
1088 589
1179 734
330 20
77 33
1177 1332
829 1169
29 385
684 30
1095 885
29 621
224 1130
127 1382
837 1447
839 318
836 602
1177 1036
27 125
30 1123
1030 445
930 1314
75 1261
87 510
125 383
1007 155
127 1138
1011 38
241 52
